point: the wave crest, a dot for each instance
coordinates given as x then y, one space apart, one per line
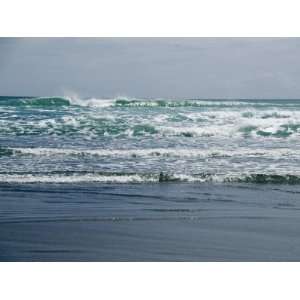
274 153
132 102
86 177
37 102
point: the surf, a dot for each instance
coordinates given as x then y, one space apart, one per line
159 178
131 140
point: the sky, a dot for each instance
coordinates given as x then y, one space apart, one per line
151 67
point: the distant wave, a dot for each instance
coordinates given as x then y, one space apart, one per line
59 101
125 117
36 102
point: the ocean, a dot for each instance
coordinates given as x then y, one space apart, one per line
149 179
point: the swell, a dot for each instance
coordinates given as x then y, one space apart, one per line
35 102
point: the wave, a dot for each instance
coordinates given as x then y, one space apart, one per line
202 103
249 122
36 102
91 126
176 103
274 153
131 102
277 130
90 177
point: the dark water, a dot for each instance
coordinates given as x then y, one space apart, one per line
146 180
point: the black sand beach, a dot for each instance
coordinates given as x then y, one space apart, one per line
149 222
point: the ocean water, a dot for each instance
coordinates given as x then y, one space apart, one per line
58 140
149 179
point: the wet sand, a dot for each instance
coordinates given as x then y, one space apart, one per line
149 222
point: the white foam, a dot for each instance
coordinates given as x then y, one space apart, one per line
156 152
28 178
134 178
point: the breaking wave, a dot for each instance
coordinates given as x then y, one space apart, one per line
275 153
93 126
235 141
131 102
36 102
90 177
69 116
